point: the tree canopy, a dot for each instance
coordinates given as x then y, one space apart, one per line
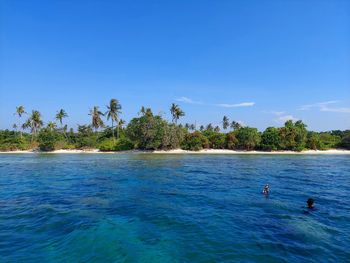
151 131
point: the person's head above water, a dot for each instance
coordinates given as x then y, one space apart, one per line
310 203
266 189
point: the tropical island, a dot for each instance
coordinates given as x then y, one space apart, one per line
151 132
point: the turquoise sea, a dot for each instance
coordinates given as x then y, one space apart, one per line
173 208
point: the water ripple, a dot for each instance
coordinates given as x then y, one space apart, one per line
151 208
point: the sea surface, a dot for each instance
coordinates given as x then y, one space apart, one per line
173 208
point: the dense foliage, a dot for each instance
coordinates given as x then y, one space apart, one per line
195 141
153 132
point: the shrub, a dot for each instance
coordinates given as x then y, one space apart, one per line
106 145
329 141
11 140
345 142
217 140
147 132
248 138
231 141
173 136
124 144
313 141
48 139
121 144
293 136
195 141
270 139
85 138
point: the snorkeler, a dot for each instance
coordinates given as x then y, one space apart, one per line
310 203
266 189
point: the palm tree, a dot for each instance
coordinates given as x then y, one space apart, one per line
34 122
201 128
142 111
113 114
217 129
192 127
20 111
121 123
51 126
235 125
148 112
187 126
61 114
176 112
225 123
96 121
209 127
26 124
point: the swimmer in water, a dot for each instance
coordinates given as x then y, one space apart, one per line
310 203
266 189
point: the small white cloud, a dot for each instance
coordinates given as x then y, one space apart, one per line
325 106
285 118
224 105
243 104
340 110
188 100
277 113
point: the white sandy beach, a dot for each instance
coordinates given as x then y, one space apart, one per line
223 151
180 151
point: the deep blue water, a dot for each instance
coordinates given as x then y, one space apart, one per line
173 208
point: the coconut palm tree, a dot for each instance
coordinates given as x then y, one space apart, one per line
114 109
201 128
19 112
142 111
61 114
121 123
192 127
96 121
235 125
225 123
26 124
176 112
209 127
51 126
217 129
34 122
148 112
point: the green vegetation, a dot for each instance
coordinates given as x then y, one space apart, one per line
50 140
121 144
195 141
151 131
271 139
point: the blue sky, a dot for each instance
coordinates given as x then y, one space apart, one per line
258 62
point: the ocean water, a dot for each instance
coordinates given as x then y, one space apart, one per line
173 208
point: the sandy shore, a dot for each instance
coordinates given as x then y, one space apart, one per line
57 151
219 151
180 151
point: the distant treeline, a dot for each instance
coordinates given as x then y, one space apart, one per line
150 131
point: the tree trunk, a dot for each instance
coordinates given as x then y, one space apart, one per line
19 128
113 133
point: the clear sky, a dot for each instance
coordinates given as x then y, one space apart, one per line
259 62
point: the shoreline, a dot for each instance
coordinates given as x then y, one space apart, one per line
180 151
233 152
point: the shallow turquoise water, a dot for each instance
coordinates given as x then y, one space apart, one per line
173 208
